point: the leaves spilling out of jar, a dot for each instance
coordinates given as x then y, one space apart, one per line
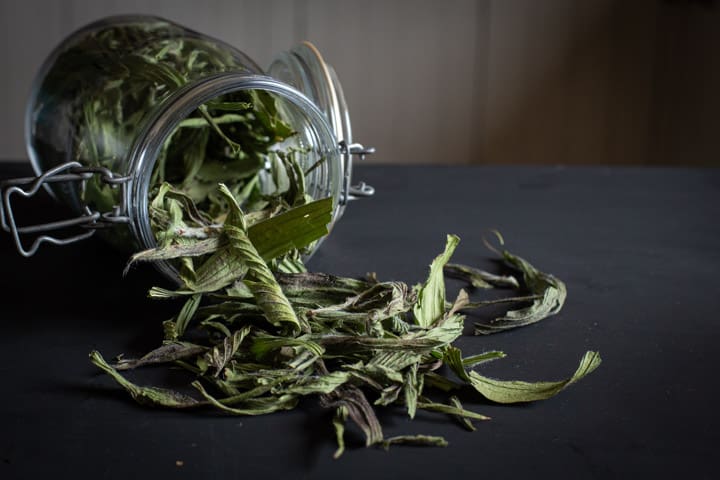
233 208
121 75
272 336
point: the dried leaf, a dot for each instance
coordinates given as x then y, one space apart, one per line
482 358
358 409
356 336
415 440
430 306
551 292
464 421
412 388
169 352
450 410
498 301
221 354
195 249
146 395
322 384
513 391
186 314
294 229
341 414
479 278
261 281
252 406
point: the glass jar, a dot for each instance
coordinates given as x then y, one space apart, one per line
129 102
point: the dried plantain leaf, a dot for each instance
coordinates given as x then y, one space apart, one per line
169 352
479 278
146 395
260 280
515 391
416 440
430 306
550 291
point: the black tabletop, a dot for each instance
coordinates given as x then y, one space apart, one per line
638 248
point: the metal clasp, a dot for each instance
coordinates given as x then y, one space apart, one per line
361 190
90 219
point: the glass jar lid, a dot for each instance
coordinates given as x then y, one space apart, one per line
304 68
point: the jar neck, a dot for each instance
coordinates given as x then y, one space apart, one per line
166 118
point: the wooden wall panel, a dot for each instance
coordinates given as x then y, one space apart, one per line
631 82
407 68
685 125
569 81
458 81
258 28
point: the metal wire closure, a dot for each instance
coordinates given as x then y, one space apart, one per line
90 219
93 220
361 190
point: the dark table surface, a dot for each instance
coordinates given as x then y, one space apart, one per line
638 248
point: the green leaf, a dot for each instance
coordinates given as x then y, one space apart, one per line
359 411
434 380
194 249
186 314
419 342
223 171
450 410
376 375
550 290
260 281
293 229
415 440
482 358
479 278
339 419
498 301
262 345
169 352
220 270
445 333
146 395
252 406
395 361
430 306
379 302
412 388
514 391
221 354
280 176
319 384
464 420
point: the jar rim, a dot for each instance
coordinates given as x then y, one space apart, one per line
304 68
163 121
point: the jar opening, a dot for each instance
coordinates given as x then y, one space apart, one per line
268 143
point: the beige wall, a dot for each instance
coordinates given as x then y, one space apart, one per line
455 81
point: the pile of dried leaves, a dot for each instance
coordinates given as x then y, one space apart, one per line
258 338
257 332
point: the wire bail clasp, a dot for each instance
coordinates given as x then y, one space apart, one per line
90 219
361 190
